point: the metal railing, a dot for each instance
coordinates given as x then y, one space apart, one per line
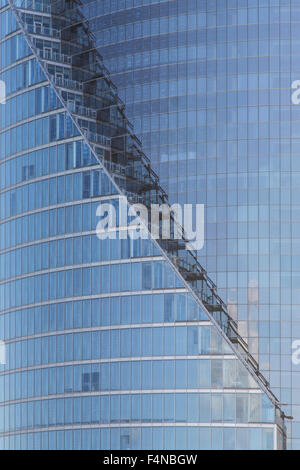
67 83
42 30
96 138
53 56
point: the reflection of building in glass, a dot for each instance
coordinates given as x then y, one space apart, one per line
119 343
212 89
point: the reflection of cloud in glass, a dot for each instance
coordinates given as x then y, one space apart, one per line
253 312
243 329
253 297
253 344
232 303
264 364
2 92
253 292
2 353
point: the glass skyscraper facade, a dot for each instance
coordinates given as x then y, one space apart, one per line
208 86
121 343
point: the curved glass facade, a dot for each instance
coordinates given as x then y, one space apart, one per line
106 347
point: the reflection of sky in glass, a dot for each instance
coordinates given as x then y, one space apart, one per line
197 113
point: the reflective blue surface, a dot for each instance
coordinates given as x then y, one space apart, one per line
92 327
